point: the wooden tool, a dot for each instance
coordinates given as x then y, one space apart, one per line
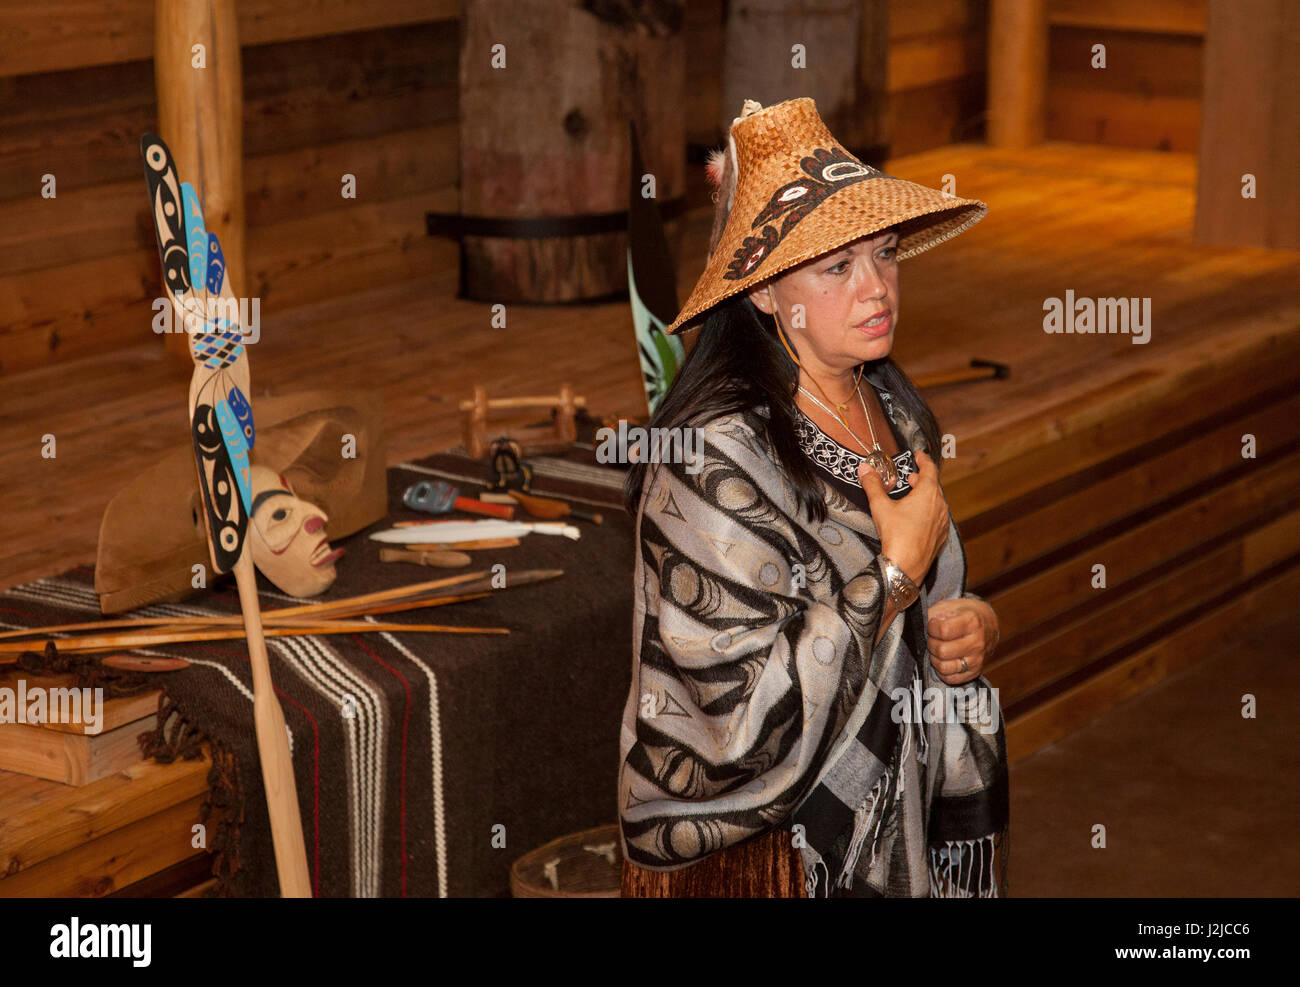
978 370
143 663
478 544
221 424
441 560
532 439
544 507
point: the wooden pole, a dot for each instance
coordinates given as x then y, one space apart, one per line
200 111
1017 83
273 748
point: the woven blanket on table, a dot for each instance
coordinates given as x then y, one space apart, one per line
451 737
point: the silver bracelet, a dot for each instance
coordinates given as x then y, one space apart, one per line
900 589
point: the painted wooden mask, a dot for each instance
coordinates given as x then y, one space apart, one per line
290 546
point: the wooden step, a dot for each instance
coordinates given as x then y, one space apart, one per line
1145 476
1253 499
1126 486
63 751
115 860
1193 384
1128 614
69 758
44 820
1205 636
176 881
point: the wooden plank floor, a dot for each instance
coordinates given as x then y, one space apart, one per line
1103 222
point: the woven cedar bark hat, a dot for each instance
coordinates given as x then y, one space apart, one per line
789 192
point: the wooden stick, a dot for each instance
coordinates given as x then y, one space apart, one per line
280 613
419 603
524 402
441 560
481 543
379 596
165 635
273 747
347 606
270 618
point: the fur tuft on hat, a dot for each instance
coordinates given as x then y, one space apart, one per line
721 173
722 176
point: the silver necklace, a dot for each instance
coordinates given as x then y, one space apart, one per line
884 466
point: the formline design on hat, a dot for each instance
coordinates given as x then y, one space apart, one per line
789 192
828 172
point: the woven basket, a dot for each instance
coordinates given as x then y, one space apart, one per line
588 864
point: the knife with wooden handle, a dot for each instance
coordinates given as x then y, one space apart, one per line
545 507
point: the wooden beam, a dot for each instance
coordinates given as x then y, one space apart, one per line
1151 16
67 758
115 860
43 819
917 62
56 35
1140 549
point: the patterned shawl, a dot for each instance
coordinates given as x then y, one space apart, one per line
758 699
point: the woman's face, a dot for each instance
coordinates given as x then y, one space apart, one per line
840 293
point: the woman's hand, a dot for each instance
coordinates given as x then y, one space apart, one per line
912 529
959 629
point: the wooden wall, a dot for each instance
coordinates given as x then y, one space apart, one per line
1149 94
374 95
933 79
936 74
372 91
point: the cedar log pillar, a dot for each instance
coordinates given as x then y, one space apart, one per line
200 116
1017 82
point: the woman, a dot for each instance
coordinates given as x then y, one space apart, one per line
779 738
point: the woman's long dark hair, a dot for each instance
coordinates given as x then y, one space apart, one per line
738 363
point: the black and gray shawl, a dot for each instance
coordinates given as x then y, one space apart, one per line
758 699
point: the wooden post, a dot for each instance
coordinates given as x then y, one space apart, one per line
1250 125
546 90
1017 84
200 116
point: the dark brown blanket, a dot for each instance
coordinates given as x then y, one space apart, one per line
461 752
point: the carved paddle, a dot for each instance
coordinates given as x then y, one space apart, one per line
221 425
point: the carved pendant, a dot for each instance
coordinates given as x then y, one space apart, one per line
884 467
